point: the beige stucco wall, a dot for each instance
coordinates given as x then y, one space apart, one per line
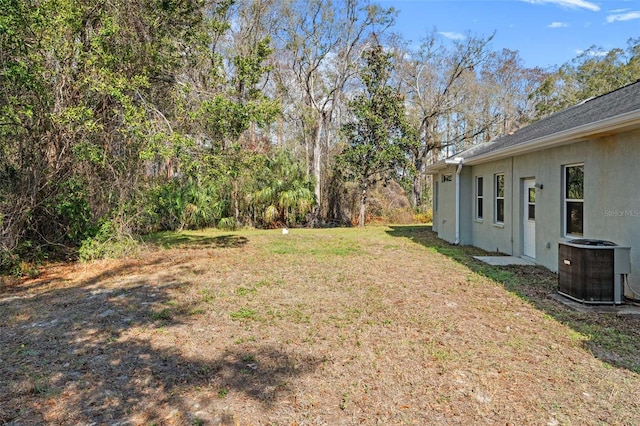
546 168
486 234
445 216
612 182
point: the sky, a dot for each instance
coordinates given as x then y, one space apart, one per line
546 33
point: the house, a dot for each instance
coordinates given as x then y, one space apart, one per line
574 174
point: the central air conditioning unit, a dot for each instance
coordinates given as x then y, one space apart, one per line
593 271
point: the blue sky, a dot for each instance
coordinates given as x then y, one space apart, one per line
545 32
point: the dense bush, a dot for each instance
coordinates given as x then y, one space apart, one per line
182 204
72 212
109 242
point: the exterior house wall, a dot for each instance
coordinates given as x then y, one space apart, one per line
611 203
435 201
446 214
612 195
547 168
466 210
486 233
444 220
602 134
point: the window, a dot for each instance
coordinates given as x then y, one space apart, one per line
574 199
436 195
447 177
479 197
531 204
499 195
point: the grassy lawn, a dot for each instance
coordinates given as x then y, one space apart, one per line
385 325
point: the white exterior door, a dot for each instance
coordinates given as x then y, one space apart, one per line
529 219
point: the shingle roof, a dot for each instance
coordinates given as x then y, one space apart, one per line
621 101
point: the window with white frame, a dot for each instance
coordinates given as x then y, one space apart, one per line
479 197
573 196
499 198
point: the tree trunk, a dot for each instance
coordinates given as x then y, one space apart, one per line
416 186
236 203
317 163
363 207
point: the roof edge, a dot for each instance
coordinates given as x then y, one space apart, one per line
434 168
573 135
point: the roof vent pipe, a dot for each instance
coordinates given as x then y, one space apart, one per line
457 161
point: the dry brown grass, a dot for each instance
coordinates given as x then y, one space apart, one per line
340 326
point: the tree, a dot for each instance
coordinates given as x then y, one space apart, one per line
320 44
592 73
285 193
379 134
505 89
458 94
124 117
438 82
223 105
86 91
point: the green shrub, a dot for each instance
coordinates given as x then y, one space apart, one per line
108 243
72 211
227 224
182 204
9 263
22 261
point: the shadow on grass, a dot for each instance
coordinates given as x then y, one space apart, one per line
612 338
194 241
83 354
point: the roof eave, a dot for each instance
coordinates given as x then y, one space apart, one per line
618 123
435 168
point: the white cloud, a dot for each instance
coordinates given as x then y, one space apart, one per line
558 25
597 53
451 35
627 16
572 4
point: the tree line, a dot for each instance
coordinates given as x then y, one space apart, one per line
120 118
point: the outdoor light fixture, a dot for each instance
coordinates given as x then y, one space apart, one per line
539 185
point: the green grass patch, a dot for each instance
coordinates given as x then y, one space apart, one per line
343 249
283 247
298 316
253 288
207 238
162 315
318 244
243 291
244 314
207 295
